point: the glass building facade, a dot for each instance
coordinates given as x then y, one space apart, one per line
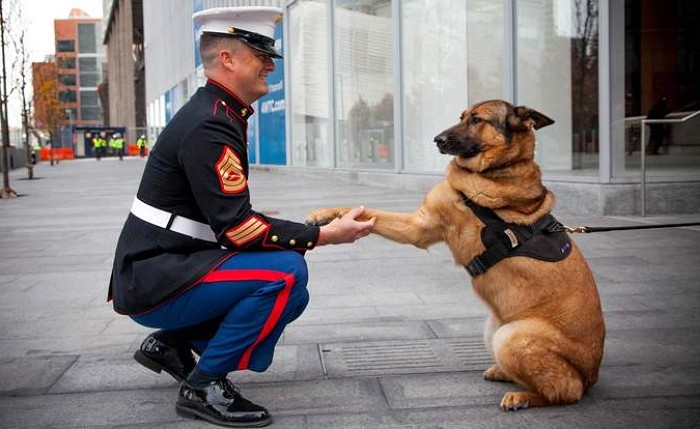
369 83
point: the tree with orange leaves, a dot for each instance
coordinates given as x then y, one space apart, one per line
48 110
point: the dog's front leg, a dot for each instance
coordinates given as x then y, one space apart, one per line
417 228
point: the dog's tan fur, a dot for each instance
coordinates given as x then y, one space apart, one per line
546 328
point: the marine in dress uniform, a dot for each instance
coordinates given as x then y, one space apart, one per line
197 261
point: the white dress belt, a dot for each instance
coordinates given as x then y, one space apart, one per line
179 224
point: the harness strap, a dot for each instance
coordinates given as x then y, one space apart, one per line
502 239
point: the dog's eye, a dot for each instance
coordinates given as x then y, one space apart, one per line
474 120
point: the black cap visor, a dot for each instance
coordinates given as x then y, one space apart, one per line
261 43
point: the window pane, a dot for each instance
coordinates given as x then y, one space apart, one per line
485 30
87 39
660 44
89 72
364 84
309 82
88 79
66 62
65 46
67 96
90 114
67 79
454 61
88 98
557 63
88 64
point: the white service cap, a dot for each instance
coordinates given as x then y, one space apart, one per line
253 25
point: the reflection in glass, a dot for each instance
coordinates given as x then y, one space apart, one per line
364 84
557 72
308 46
454 60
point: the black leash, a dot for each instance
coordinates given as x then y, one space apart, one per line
587 229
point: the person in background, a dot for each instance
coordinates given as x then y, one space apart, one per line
98 144
194 259
142 144
117 143
658 110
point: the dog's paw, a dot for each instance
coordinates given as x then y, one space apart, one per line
514 401
495 373
320 217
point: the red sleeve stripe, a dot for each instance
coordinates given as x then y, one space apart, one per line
277 307
247 231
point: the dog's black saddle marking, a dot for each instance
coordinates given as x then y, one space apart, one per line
544 240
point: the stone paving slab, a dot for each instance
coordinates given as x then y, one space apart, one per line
354 332
32 377
96 409
65 356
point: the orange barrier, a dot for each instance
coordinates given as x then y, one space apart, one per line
58 153
133 150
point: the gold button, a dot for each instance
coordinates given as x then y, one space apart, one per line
244 111
223 103
292 242
274 238
310 244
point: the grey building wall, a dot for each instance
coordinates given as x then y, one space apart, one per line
122 73
169 45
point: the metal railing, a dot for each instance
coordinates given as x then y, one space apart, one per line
642 151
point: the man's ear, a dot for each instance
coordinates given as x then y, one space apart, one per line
523 118
226 58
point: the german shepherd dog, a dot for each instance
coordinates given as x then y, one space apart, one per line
546 329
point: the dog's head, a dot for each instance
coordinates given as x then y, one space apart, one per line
491 134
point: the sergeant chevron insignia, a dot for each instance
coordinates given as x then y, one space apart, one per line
231 176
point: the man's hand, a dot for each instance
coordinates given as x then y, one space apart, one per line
346 229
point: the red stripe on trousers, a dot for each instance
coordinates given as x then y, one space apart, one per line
277 308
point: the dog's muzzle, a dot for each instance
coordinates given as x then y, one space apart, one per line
449 146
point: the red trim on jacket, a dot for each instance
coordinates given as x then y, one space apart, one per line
247 106
277 308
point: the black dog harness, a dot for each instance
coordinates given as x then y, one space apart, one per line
544 240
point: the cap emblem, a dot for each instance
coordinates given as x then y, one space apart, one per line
231 30
278 19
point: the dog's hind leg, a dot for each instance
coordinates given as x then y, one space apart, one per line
528 352
495 373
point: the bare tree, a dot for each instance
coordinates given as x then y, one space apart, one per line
21 68
585 67
6 192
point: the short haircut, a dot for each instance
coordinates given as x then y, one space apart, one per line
210 45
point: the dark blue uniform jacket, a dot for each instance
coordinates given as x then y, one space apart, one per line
198 169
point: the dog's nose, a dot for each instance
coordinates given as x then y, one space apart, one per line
440 139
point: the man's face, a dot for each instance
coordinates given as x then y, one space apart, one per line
251 74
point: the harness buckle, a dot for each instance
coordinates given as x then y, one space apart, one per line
574 229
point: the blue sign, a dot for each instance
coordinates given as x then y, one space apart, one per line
252 138
169 112
271 111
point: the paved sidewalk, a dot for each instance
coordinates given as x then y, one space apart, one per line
391 338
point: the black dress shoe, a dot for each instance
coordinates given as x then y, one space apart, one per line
220 403
157 355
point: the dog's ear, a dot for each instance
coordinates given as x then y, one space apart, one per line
523 117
